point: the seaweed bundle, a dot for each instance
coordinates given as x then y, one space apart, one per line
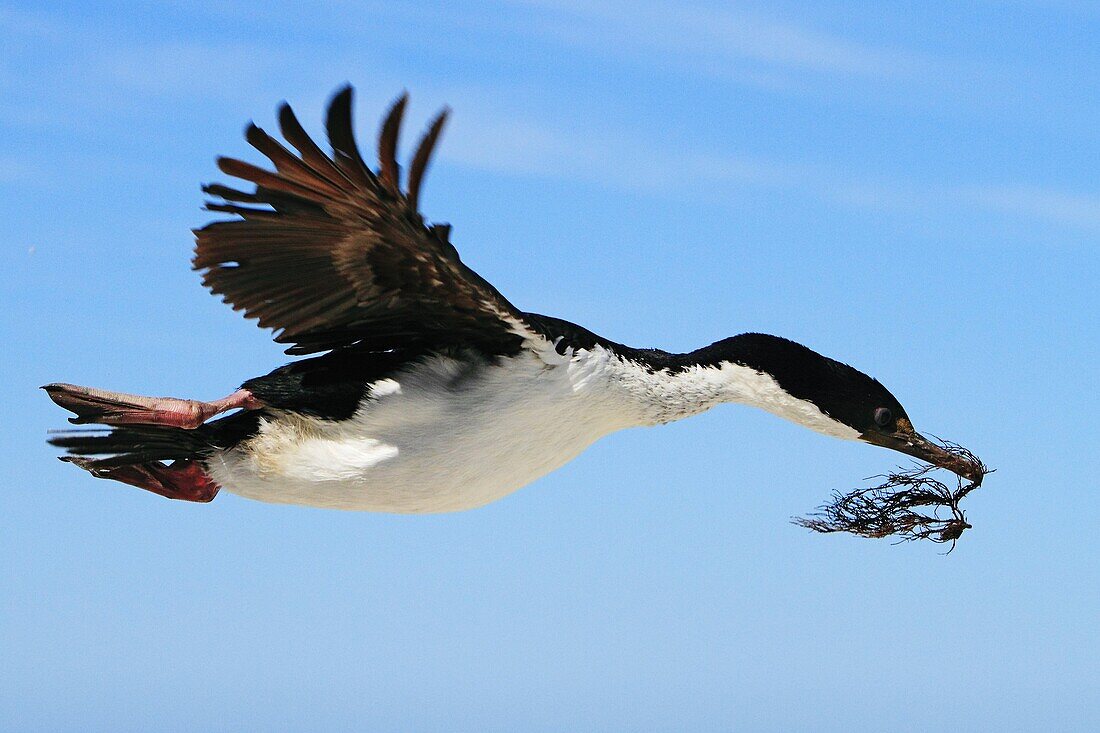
908 503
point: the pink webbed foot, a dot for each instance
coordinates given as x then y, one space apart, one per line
185 480
117 408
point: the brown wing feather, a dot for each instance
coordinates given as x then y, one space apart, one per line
387 145
336 255
341 136
423 155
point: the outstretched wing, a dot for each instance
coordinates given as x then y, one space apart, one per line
330 253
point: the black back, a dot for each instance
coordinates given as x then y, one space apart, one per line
333 385
329 386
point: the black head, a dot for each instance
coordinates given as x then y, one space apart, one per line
841 393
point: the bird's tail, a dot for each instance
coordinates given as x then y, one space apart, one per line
136 455
121 446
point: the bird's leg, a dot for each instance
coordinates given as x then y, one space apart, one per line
185 480
116 408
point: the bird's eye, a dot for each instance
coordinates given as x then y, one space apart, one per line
883 416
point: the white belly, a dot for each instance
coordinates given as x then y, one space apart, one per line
444 436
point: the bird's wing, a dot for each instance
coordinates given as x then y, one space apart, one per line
330 253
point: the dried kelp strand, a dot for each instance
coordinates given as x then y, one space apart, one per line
909 504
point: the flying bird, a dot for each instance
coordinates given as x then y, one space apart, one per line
425 389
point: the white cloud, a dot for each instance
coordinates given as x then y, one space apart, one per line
1082 210
489 138
497 140
180 68
12 171
723 41
499 129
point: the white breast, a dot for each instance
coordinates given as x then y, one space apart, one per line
445 435
451 434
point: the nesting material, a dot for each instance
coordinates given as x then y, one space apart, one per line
908 504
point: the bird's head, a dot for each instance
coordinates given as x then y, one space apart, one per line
836 399
863 404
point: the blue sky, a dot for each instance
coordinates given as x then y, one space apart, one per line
911 188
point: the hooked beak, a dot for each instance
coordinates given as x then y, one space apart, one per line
907 440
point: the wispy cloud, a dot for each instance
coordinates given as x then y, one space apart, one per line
19 23
96 71
497 141
489 135
180 68
11 171
1081 7
496 129
1063 207
722 41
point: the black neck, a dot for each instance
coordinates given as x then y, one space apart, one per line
773 355
798 369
